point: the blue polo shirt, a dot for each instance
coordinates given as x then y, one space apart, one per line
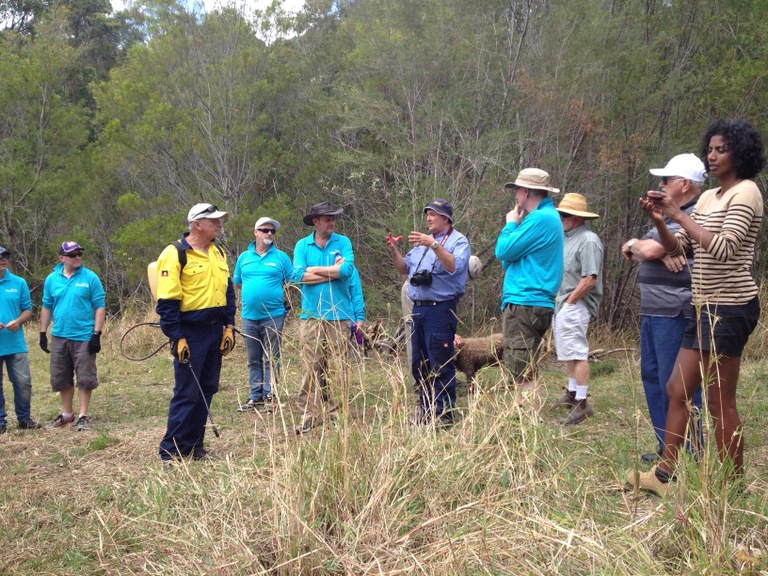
445 285
14 299
73 302
262 279
356 294
531 255
327 300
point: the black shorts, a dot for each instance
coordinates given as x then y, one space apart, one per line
722 329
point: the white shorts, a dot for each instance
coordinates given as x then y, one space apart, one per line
569 329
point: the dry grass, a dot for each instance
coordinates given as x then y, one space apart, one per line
500 493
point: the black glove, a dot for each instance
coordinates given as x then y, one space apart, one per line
44 342
94 344
180 350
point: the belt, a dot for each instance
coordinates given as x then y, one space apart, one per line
425 303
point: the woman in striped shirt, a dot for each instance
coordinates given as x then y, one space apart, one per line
722 231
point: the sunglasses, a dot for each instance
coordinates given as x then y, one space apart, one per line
267 231
564 216
73 255
5 256
210 210
666 179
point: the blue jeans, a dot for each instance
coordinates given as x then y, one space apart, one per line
432 365
21 379
660 338
263 349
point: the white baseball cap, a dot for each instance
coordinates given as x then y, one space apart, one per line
266 220
205 210
685 166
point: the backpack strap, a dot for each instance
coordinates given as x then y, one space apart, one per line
182 254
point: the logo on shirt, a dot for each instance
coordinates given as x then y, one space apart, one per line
83 285
164 273
270 264
11 291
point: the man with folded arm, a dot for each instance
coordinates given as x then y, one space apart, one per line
665 295
323 263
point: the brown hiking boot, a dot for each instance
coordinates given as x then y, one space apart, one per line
568 400
581 411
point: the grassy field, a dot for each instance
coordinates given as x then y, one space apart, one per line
500 493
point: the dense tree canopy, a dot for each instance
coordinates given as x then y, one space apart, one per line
112 125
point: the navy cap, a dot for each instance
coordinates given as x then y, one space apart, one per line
442 207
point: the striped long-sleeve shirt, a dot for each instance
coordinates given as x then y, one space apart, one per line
722 272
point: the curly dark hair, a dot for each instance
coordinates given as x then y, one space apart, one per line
745 143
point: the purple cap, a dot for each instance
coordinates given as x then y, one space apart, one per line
68 246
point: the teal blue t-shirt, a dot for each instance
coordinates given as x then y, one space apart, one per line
73 302
327 300
262 279
14 298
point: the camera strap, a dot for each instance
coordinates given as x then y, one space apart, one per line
427 248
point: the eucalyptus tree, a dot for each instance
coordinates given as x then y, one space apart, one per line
42 137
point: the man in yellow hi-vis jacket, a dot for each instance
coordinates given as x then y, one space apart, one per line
196 304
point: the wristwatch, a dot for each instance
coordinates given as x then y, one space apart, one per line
435 244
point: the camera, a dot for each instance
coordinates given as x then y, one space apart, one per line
421 278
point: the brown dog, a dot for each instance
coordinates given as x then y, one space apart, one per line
475 353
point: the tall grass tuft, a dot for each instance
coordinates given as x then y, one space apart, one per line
502 492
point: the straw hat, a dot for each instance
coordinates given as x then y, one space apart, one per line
576 205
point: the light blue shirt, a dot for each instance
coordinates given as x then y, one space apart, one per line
73 302
262 278
445 285
14 299
326 300
531 254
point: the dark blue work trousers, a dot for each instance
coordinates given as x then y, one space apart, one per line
432 366
187 412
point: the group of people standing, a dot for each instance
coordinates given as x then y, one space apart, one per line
73 299
196 304
698 306
699 301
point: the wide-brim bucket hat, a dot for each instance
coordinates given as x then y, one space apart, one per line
533 178
321 209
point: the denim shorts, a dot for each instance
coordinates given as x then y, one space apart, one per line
722 329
